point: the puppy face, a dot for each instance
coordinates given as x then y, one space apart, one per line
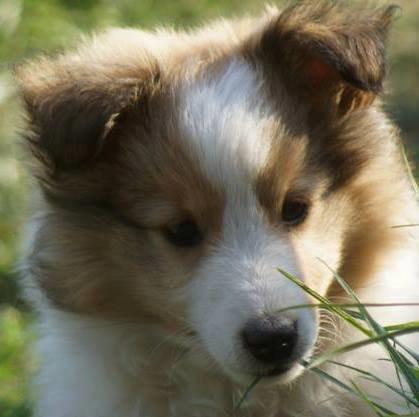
272 216
175 182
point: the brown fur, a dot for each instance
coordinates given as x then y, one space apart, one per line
333 61
103 133
150 184
114 172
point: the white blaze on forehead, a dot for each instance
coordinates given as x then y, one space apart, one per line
227 124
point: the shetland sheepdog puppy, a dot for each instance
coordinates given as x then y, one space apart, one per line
175 173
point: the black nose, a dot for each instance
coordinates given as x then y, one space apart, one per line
271 339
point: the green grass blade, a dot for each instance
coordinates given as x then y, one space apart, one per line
352 346
409 170
373 377
399 362
330 305
346 387
340 312
367 400
376 333
247 392
399 226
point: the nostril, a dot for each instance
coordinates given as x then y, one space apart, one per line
270 339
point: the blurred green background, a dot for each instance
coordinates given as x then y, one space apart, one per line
29 27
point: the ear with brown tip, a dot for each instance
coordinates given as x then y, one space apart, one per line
330 57
72 105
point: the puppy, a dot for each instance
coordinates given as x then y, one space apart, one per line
176 172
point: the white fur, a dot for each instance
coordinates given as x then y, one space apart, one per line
241 281
225 121
94 368
229 130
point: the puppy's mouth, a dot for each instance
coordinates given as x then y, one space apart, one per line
278 371
282 374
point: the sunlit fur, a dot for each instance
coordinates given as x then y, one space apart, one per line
138 131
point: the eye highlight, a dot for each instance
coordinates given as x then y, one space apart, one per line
184 234
295 210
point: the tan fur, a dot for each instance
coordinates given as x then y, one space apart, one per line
114 173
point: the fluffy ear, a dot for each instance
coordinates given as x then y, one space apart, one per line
332 58
74 101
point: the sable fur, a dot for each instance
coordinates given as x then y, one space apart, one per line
134 132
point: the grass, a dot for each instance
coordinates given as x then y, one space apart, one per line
28 27
16 363
357 315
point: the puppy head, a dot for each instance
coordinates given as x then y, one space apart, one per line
176 180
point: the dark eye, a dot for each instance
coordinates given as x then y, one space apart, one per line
184 234
295 210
